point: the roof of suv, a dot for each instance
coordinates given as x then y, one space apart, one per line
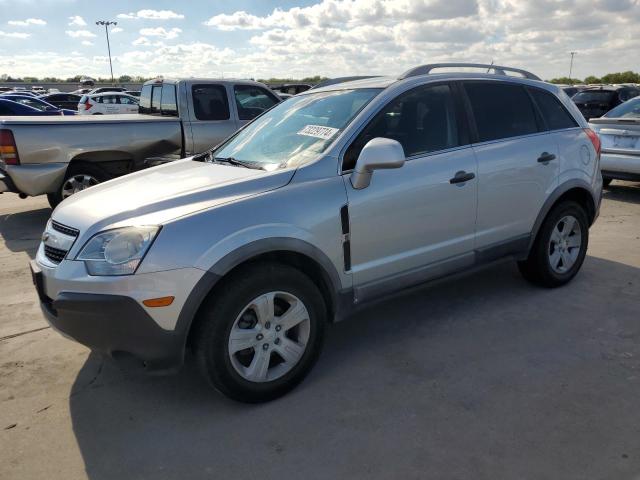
425 71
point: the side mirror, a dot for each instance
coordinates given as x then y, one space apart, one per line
378 153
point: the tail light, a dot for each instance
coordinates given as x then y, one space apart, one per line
87 105
8 149
593 136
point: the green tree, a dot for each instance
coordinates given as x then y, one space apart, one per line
592 79
565 80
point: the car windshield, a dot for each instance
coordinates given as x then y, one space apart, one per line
629 109
296 131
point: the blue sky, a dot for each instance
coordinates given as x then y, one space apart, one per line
248 38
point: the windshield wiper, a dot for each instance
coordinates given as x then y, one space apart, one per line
237 163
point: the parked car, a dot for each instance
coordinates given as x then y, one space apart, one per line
571 90
133 93
21 93
619 131
108 103
37 104
61 156
290 88
67 101
245 252
595 102
335 81
14 108
53 90
106 89
38 90
5 89
81 91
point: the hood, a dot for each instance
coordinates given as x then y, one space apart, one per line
160 194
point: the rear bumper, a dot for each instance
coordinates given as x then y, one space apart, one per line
36 179
616 163
6 184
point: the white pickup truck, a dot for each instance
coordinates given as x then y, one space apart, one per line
59 156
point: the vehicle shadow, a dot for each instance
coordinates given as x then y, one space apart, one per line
22 231
479 376
623 192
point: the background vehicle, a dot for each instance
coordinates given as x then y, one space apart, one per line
108 103
336 197
106 89
14 108
67 101
619 131
181 118
38 104
595 102
571 90
133 93
38 90
290 88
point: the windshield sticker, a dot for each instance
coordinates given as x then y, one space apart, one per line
318 131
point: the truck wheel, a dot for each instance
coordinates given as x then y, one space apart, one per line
79 177
261 332
560 247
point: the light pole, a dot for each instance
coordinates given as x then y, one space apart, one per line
571 64
106 24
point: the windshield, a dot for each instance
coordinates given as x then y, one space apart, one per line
296 131
629 109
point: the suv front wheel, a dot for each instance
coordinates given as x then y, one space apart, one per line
560 247
261 332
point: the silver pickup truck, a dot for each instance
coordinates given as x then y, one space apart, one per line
59 156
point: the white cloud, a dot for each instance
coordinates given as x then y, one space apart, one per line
26 23
80 33
161 32
87 43
152 15
141 41
351 37
77 21
116 30
14 34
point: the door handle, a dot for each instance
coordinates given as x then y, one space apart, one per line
546 157
462 176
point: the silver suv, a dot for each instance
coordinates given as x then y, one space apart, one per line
244 253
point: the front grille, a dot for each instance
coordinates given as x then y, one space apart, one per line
54 254
72 232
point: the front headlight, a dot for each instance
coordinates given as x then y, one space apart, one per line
118 251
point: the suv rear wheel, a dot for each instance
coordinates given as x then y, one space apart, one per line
559 248
261 333
79 177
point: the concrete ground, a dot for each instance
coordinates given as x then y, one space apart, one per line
479 377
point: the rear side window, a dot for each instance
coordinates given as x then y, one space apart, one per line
252 101
604 96
628 93
423 120
168 105
210 102
555 115
501 110
145 99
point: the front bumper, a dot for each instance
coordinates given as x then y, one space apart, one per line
114 323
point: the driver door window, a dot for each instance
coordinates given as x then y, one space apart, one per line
423 120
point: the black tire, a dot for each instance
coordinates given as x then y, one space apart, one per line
606 182
537 267
219 312
79 168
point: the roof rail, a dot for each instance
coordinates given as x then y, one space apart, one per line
497 69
